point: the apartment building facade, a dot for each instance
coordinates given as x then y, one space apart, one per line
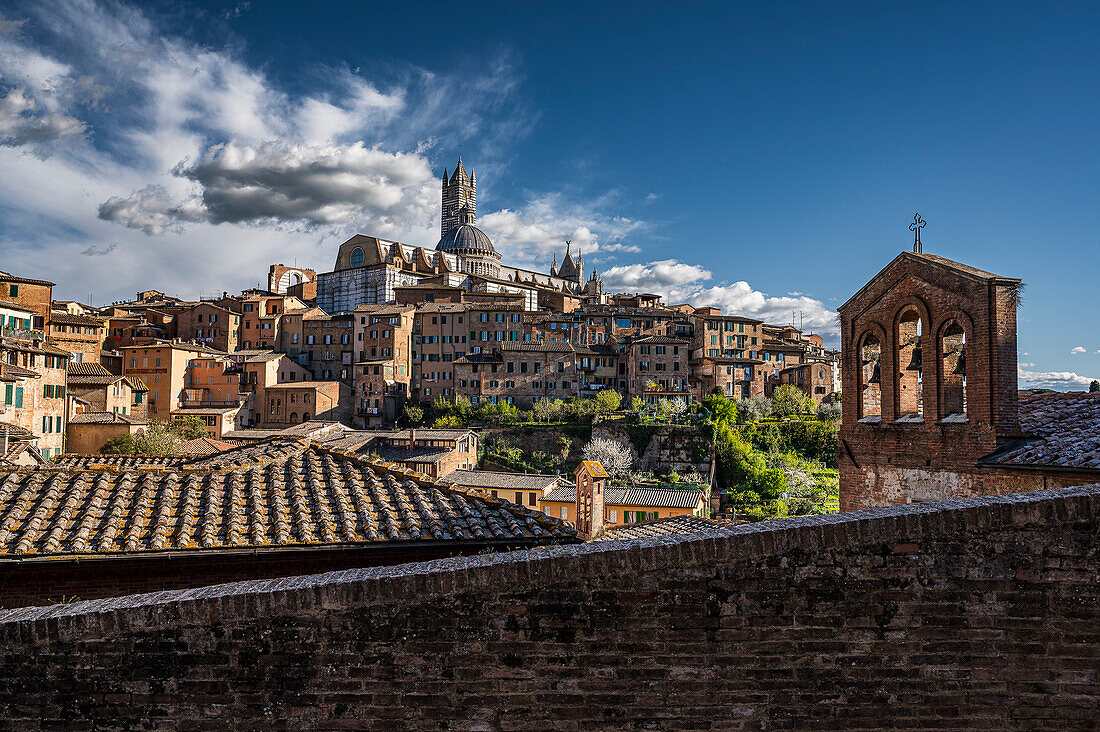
32 377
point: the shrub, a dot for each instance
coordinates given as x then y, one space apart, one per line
829 412
788 400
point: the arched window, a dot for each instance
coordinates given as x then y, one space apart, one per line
357 257
909 401
952 370
296 279
305 416
870 376
294 418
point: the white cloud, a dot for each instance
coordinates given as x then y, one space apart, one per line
532 236
1078 349
177 182
681 282
1057 380
23 123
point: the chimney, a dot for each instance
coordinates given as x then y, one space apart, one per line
589 508
412 437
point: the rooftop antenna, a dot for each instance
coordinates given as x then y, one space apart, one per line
915 227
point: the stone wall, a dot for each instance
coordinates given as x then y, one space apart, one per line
965 614
670 448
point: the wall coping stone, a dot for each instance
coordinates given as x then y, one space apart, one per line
243 601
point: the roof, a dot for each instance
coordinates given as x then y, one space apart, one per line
480 358
413 454
486 480
656 497
302 384
594 468
9 305
672 526
204 446
543 345
86 368
66 318
299 497
466 238
105 418
382 309
659 340
936 260
9 277
1063 432
208 411
255 356
15 430
13 372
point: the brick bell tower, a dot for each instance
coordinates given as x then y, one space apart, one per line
591 478
458 193
929 374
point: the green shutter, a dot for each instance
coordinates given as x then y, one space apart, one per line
18 396
7 393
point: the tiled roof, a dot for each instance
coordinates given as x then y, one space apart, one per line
104 418
488 480
12 372
9 305
672 526
118 462
104 379
480 358
413 454
1063 431
9 277
66 318
203 446
640 497
309 496
659 340
547 346
86 368
595 468
380 310
15 430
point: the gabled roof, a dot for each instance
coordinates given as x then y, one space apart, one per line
635 497
12 372
105 418
297 498
9 277
594 468
486 480
937 261
86 368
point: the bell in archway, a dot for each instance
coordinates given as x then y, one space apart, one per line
915 362
876 376
960 365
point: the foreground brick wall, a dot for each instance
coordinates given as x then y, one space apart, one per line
968 614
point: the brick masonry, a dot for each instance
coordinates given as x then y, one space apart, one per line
903 457
968 614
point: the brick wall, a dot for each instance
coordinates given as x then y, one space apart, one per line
968 614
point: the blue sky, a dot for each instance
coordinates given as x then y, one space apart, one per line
763 157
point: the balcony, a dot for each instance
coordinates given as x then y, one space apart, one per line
202 404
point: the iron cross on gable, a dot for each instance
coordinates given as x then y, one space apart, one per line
915 227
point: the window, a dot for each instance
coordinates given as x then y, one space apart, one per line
356 259
565 513
13 290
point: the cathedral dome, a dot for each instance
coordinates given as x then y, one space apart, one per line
466 239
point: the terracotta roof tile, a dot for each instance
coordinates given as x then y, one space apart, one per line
673 526
299 497
1063 431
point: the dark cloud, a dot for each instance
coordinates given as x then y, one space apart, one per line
98 251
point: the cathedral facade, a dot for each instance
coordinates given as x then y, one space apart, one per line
369 270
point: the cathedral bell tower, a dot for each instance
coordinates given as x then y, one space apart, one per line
459 192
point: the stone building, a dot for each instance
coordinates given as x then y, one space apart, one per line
815 378
656 367
80 335
32 377
162 368
282 279
369 270
293 402
931 408
520 373
383 369
34 294
212 325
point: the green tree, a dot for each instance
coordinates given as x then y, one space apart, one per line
564 446
607 401
414 415
1094 386
448 422
830 412
188 428
788 400
121 445
722 410
158 439
637 404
